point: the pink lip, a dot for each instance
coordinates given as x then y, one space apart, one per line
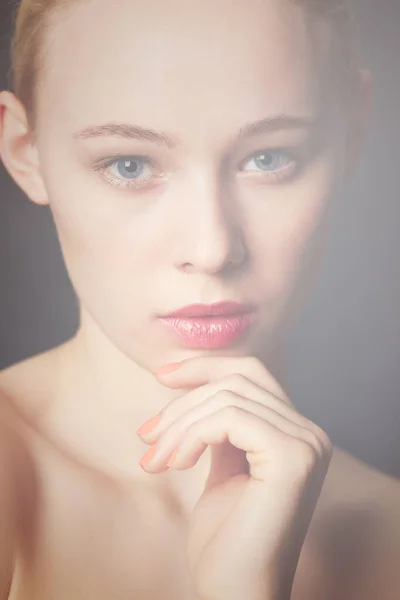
210 326
225 308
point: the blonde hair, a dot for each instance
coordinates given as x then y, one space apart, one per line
32 17
27 49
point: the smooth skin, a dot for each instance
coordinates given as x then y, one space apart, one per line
243 539
238 141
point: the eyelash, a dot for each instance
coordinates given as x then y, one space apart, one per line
280 174
121 183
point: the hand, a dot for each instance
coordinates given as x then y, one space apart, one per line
268 464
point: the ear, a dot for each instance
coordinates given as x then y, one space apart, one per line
17 149
359 119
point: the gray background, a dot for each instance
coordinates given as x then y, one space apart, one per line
344 369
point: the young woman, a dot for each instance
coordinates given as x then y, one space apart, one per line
189 153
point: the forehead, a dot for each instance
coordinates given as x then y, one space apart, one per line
163 59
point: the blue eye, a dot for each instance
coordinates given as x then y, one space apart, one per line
268 161
129 168
128 172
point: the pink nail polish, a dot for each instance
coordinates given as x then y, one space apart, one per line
148 456
149 425
167 368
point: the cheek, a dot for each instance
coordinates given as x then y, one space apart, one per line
108 259
100 229
292 222
102 254
109 240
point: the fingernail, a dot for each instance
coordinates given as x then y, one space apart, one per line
149 425
171 460
167 368
148 456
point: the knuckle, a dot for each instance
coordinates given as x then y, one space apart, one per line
193 432
232 412
235 381
220 398
314 441
307 455
323 440
320 437
327 445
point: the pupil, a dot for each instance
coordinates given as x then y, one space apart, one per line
266 159
130 166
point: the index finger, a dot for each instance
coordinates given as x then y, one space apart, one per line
194 372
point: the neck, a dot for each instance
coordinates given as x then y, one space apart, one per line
114 382
103 397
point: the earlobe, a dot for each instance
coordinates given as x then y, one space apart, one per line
17 149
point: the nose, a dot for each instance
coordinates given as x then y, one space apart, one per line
211 238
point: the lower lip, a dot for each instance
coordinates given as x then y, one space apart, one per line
210 332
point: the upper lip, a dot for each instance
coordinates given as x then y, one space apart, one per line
227 307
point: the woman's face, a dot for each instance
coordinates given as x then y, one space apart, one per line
188 150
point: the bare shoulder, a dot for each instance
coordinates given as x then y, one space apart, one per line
386 527
24 389
28 384
358 532
25 392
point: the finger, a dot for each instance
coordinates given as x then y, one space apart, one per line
272 456
176 432
178 407
194 372
171 435
269 451
222 399
239 385
225 400
171 448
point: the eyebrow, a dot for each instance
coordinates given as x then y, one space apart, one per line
278 123
126 131
134 132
